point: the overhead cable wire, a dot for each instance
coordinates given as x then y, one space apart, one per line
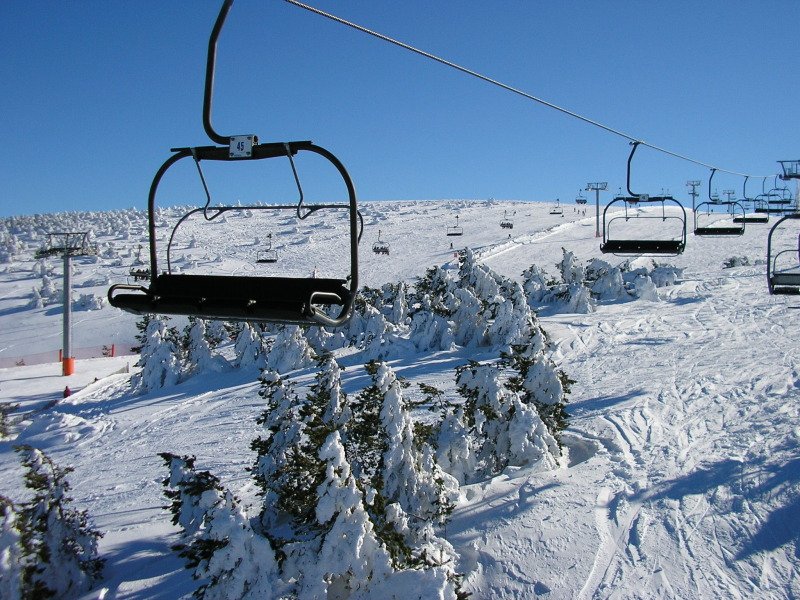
512 89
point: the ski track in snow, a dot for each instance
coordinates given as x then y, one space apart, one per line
683 477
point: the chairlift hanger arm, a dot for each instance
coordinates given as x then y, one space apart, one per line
210 64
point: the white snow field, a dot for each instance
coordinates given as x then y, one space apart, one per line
683 470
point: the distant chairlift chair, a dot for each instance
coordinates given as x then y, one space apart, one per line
455 230
783 263
750 217
556 209
273 299
380 247
732 206
267 255
506 223
636 246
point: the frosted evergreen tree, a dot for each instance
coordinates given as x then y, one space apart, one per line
286 468
513 320
484 283
399 304
409 476
249 348
216 333
469 319
289 350
430 331
158 358
573 295
571 271
536 285
199 357
10 552
58 545
456 447
219 543
351 560
539 383
605 281
438 288
645 289
36 299
283 430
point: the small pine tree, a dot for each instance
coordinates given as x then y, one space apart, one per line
219 542
249 348
5 421
539 383
351 558
10 552
59 547
159 358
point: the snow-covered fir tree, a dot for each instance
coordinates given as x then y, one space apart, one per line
249 348
219 543
289 350
159 358
286 467
430 330
10 552
351 561
539 383
410 476
58 546
198 350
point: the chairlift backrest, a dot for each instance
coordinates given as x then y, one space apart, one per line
275 299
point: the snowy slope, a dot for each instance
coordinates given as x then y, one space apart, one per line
683 475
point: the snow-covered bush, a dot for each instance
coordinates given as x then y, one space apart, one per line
90 302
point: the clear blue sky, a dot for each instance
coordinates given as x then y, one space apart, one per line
95 93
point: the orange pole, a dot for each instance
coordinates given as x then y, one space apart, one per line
68 366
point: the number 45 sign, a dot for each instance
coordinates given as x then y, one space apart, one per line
242 146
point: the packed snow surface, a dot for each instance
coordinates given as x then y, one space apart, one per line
683 471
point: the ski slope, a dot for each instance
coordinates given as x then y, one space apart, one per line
684 443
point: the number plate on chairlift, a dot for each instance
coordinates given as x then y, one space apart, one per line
242 146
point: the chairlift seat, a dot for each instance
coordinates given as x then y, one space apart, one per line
455 231
722 231
285 299
507 225
784 283
666 247
758 218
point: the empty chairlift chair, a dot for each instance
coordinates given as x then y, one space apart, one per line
455 230
753 216
320 301
703 226
268 254
556 209
629 242
783 255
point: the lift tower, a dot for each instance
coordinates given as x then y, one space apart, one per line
597 187
67 244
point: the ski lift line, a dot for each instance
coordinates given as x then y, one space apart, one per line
509 88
